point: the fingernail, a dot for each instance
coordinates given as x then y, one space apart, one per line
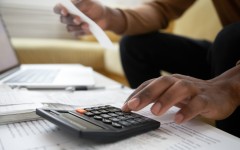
133 103
124 107
156 108
178 118
76 21
63 12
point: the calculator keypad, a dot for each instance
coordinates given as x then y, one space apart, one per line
103 124
113 116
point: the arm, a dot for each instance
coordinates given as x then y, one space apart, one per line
216 98
154 15
145 18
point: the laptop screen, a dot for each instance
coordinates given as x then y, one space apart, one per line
8 57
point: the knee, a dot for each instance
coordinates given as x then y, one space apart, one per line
133 45
228 38
128 42
127 46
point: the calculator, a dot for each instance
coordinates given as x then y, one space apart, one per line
102 123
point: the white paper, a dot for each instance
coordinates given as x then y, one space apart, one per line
22 97
89 98
18 109
94 28
43 135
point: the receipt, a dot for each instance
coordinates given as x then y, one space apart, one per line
94 28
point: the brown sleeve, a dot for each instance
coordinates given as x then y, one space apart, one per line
153 15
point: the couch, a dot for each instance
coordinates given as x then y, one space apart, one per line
58 46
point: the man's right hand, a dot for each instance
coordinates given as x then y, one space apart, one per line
92 8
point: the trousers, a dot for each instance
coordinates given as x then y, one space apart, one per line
144 56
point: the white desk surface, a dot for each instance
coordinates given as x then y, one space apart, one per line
43 135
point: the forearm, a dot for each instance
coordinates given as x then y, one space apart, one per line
147 17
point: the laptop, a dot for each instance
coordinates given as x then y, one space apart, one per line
38 75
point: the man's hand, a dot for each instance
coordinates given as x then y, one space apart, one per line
100 14
92 8
215 99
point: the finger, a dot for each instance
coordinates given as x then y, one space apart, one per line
70 20
76 1
59 9
78 33
144 84
150 93
179 76
179 91
182 103
74 28
82 5
195 107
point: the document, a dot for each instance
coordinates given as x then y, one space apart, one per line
43 135
20 105
94 28
22 97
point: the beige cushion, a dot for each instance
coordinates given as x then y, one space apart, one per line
112 60
59 51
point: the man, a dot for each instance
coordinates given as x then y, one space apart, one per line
210 80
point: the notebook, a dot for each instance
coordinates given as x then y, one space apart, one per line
38 75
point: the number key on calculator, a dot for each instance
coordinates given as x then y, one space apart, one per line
103 123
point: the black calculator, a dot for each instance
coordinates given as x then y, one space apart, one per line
103 123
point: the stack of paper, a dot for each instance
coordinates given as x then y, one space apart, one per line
16 106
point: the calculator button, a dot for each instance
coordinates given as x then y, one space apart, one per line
119 113
103 107
105 116
114 110
88 109
95 108
106 121
97 117
114 119
96 112
132 121
124 123
89 114
81 111
129 117
121 117
113 114
103 111
117 125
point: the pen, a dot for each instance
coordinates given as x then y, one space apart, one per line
85 88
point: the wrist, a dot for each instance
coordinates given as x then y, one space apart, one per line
229 82
232 77
115 20
236 84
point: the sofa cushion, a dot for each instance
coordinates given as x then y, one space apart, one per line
59 51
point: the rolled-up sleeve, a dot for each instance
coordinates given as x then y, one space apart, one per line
153 15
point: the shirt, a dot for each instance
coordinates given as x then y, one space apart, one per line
157 14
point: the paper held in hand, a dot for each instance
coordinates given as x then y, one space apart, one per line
94 28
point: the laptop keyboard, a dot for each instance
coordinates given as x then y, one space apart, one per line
35 76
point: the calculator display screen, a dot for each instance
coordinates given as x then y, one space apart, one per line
82 124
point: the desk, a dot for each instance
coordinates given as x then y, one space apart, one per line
43 135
